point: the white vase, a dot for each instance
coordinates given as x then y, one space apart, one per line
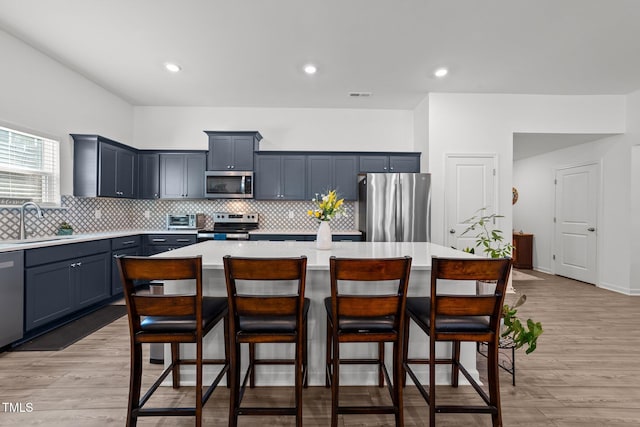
323 238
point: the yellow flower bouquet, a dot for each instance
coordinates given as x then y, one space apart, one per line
327 206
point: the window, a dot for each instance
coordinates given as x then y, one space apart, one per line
29 168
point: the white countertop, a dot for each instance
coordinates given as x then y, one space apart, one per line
213 251
40 242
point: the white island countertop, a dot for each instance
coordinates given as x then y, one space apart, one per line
317 289
213 251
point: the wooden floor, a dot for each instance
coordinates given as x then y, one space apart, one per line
586 372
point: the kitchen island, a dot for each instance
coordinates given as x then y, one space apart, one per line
318 288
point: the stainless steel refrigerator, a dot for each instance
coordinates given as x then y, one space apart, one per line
394 207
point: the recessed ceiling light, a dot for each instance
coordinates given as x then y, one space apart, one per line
310 69
441 72
174 68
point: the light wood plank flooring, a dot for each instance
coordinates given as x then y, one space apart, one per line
586 372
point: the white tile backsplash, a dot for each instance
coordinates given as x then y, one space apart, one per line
95 214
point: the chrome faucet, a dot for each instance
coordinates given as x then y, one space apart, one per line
23 231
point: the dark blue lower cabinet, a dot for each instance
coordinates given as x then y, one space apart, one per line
304 237
55 290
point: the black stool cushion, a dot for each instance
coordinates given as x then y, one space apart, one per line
271 324
361 324
212 308
419 308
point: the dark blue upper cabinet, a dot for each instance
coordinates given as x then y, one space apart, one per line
230 151
404 163
400 163
280 177
149 175
182 175
102 167
332 172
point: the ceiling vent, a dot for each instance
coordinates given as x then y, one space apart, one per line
359 94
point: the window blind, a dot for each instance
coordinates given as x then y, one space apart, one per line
29 167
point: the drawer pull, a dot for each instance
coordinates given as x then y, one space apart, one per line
129 242
183 240
158 240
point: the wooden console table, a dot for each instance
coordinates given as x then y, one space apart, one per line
523 250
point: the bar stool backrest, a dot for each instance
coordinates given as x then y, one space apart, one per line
369 270
139 304
483 269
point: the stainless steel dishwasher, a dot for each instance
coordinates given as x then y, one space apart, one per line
11 296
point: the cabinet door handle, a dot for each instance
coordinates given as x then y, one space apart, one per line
7 264
591 229
452 231
79 264
73 265
129 242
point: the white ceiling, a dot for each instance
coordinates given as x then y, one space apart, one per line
250 53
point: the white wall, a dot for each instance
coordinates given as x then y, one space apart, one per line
535 209
485 123
632 137
421 132
39 95
281 128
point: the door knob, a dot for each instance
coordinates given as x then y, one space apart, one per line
452 231
591 229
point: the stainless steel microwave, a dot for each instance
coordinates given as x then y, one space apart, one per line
228 185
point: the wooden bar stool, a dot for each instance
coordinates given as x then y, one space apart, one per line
274 315
458 318
372 318
170 319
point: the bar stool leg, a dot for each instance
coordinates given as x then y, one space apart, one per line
455 363
135 382
299 380
175 358
234 373
397 379
305 356
494 386
328 356
335 383
252 360
380 364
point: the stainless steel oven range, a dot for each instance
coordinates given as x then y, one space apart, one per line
230 226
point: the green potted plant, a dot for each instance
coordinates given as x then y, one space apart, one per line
514 329
65 229
491 242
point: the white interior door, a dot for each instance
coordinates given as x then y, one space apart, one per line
576 222
469 186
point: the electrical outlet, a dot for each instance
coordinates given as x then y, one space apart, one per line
98 213
290 214
147 214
